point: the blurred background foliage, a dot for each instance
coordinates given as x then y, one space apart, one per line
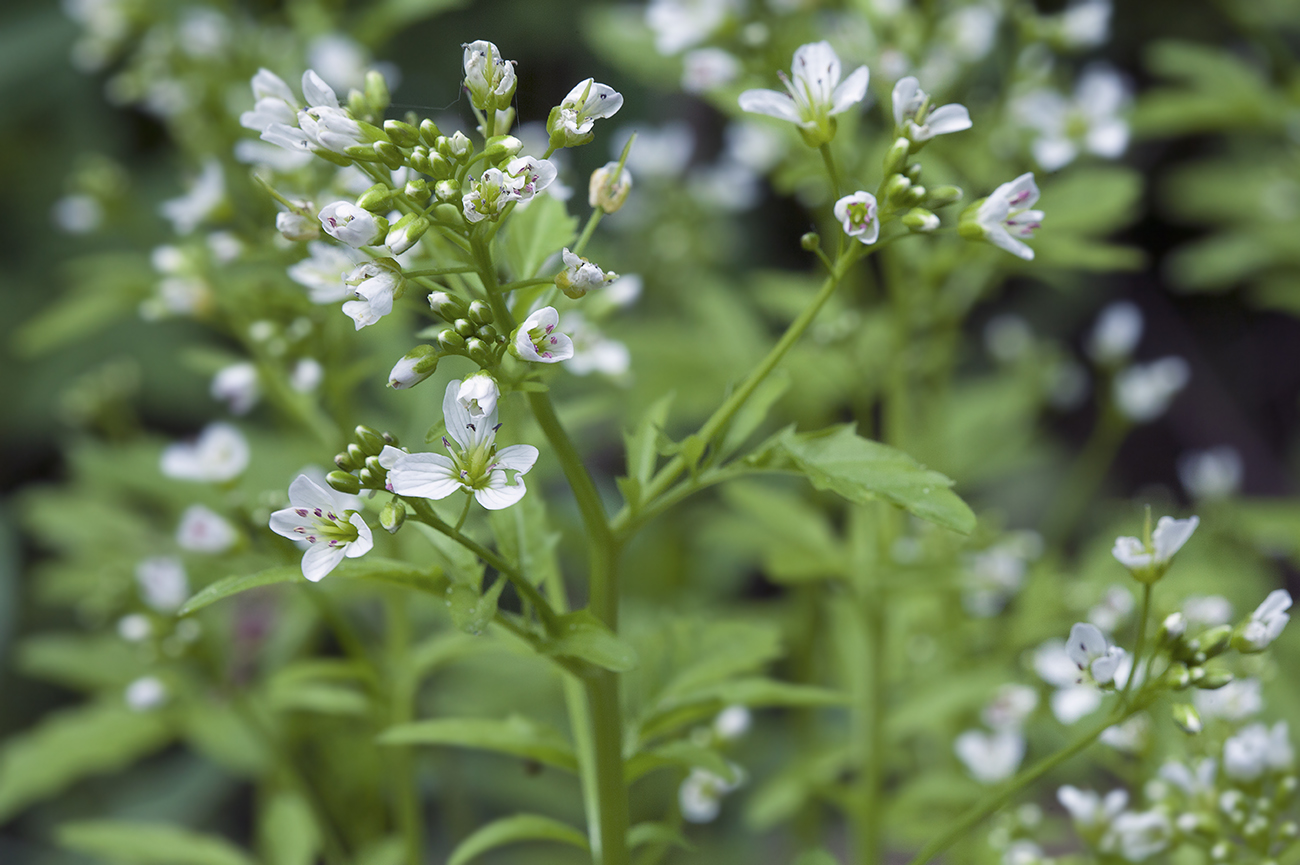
1196 225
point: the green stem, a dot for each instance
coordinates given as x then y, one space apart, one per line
442 271
1001 797
1140 645
487 272
718 421
464 514
402 710
1086 475
611 785
829 159
588 230
525 283
871 747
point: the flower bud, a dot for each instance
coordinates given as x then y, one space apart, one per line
415 366
376 199
388 154
440 168
447 190
913 172
501 147
370 481
896 188
1285 791
896 158
920 220
345 462
914 195
478 351
480 313
369 440
344 482
429 132
1187 718
418 190
405 233
451 342
1196 674
942 196
392 516
445 306
1171 629
487 333
609 187
402 133
377 92
1213 680
1216 640
459 146
357 455
810 241
419 160
298 224
489 77
1177 676
464 327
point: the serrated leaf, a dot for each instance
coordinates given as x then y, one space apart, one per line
536 233
515 830
839 460
367 568
585 637
135 843
516 735
73 744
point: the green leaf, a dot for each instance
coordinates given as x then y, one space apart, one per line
513 830
366 568
470 611
1094 201
642 453
681 754
83 661
816 857
657 833
525 537
428 656
534 234
753 412
794 538
860 470
287 831
516 735
134 843
584 636
73 744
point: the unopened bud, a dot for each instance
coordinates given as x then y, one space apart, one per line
920 220
478 352
1285 791
810 241
1177 676
451 342
896 158
392 516
405 233
429 133
914 195
370 481
501 147
1215 641
487 333
345 462
370 441
344 482
1213 680
445 306
464 327
609 187
897 188
1173 627
447 190
942 196
459 146
415 366
419 160
377 92
376 199
357 455
1187 718
418 190
388 154
913 172
440 168
402 133
481 313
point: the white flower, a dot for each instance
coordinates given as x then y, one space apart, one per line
134 627
489 77
1266 623
1114 607
1207 610
203 530
343 60
1092 120
915 118
1257 749
1235 701
537 339
206 194
726 185
572 121
77 213
815 95
237 386
1024 852
375 284
488 195
662 151
225 246
706 69
990 757
1116 333
1090 811
275 103
625 290
970 31
494 477
528 175
1139 835
346 222
314 515
992 576
680 24
162 583
1006 215
1085 24
322 274
478 395
1192 784
1211 474
1075 702
219 454
580 276
1093 654
754 146
323 124
1073 698
592 350
1010 707
732 723
415 366
298 224
1130 737
609 187
1144 391
700 796
306 375
145 694
859 216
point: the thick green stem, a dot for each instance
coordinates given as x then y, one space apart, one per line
1001 797
611 785
487 272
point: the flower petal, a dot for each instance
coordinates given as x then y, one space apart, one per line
286 523
365 540
999 237
771 103
457 419
499 494
518 458
389 456
1170 535
948 118
851 92
817 67
429 476
320 559
1131 553
306 493
904 91
317 92
1086 644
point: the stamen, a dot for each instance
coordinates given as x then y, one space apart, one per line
302 512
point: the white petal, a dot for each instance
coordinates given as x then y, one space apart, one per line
903 93
286 522
455 416
1170 535
317 92
817 66
1054 152
560 348
1277 602
389 455
999 237
1019 193
851 92
306 493
771 103
518 458
365 540
1131 553
268 85
320 559
1086 644
948 118
1071 704
1108 138
1083 805
1104 668
499 494
429 476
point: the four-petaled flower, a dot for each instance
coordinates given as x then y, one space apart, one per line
859 216
489 77
344 221
478 394
1005 216
332 533
815 95
494 477
528 175
538 341
916 119
1149 562
580 276
1093 654
1265 624
219 454
376 284
571 121
488 196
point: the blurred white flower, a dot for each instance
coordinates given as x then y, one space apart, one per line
1091 121
1265 624
1010 707
203 530
219 454
1207 610
700 795
340 60
77 213
306 375
1144 391
207 192
1211 474
237 386
1116 333
1008 337
163 584
1113 609
993 575
681 24
920 121
706 69
1257 749
1192 784
1235 701
1006 215
990 757
660 151
1090 811
1093 654
732 723
592 350
145 694
1084 24
134 627
1130 737
970 31
322 274
1139 835
753 145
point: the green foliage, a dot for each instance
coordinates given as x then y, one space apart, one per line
133 843
514 830
516 735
